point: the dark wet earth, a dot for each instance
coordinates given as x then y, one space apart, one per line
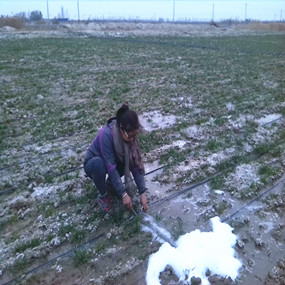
258 223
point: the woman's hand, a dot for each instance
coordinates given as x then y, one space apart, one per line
127 202
144 202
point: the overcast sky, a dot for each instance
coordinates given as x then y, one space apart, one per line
199 10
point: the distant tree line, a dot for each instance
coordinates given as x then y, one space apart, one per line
36 16
18 21
33 16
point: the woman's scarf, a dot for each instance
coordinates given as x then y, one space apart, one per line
130 154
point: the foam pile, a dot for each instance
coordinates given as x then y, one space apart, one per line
195 253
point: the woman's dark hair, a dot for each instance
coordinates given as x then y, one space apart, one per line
127 119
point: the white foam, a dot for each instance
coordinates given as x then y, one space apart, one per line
195 253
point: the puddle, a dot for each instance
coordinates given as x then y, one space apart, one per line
156 189
254 208
152 121
268 119
268 226
156 153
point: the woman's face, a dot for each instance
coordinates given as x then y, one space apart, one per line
129 136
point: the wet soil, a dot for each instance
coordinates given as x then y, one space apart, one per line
259 225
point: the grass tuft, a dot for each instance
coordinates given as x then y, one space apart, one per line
100 247
132 228
30 244
81 257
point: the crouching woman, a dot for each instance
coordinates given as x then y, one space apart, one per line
115 151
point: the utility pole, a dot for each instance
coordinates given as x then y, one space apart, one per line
47 11
78 10
173 11
245 11
281 16
213 13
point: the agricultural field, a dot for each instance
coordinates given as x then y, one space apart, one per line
212 103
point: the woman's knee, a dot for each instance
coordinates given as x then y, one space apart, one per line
95 165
